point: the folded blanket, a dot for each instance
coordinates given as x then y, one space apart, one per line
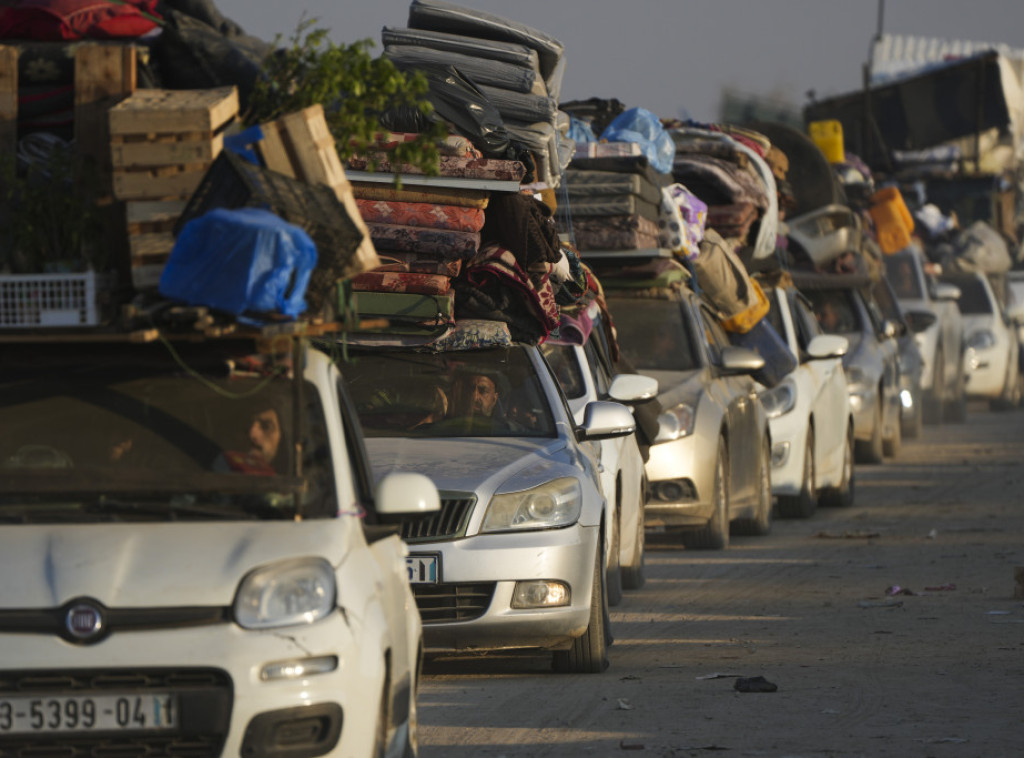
429 215
614 239
717 181
584 184
415 239
418 263
523 225
632 164
509 52
519 106
473 334
499 74
622 205
453 144
400 281
464 168
442 195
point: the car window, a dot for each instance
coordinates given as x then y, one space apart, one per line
602 378
902 274
807 326
835 310
716 336
974 298
884 298
474 393
654 335
565 367
775 311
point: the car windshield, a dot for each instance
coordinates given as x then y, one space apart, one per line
159 433
476 393
974 298
902 275
653 334
835 310
562 359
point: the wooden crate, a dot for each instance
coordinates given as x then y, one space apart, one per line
150 226
300 145
163 141
8 99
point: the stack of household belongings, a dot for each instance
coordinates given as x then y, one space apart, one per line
517 69
613 188
741 306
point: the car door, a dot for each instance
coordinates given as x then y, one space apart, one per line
737 393
888 349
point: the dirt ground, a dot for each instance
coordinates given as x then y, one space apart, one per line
937 670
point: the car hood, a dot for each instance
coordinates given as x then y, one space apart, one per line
147 565
483 465
677 387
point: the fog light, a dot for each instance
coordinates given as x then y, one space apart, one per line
298 668
540 594
856 403
907 399
780 454
672 491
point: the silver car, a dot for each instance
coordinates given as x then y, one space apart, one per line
515 558
710 466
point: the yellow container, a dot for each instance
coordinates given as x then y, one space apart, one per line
746 320
893 222
828 136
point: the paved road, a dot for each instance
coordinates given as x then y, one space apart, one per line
859 672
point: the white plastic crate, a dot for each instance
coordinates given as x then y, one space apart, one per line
50 300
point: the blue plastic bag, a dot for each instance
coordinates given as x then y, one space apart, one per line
580 131
247 259
643 127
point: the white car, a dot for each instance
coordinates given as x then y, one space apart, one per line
516 558
585 374
808 413
196 560
990 360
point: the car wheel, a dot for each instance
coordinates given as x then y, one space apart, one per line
956 409
589 652
935 404
870 451
761 524
891 445
613 574
633 575
804 504
842 495
715 534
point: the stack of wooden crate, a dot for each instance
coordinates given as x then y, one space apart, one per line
161 144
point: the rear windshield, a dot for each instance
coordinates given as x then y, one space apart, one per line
835 309
158 433
479 393
654 335
902 275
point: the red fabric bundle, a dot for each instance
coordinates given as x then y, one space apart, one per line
62 20
400 281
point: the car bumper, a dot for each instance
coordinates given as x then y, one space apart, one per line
680 476
789 446
986 372
865 414
498 562
220 676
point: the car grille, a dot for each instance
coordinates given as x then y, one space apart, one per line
463 601
447 523
205 699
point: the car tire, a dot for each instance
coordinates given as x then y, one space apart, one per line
613 574
870 451
589 651
841 496
956 409
715 534
633 575
891 445
804 504
761 524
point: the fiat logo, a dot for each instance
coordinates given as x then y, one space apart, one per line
83 621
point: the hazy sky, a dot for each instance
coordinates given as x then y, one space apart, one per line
673 57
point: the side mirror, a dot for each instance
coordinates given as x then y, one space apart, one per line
633 388
603 420
827 346
918 321
740 360
404 495
942 291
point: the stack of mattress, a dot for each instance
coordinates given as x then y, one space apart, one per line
517 68
614 201
422 235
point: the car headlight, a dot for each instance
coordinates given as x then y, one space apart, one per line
982 340
552 504
675 423
779 400
286 594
